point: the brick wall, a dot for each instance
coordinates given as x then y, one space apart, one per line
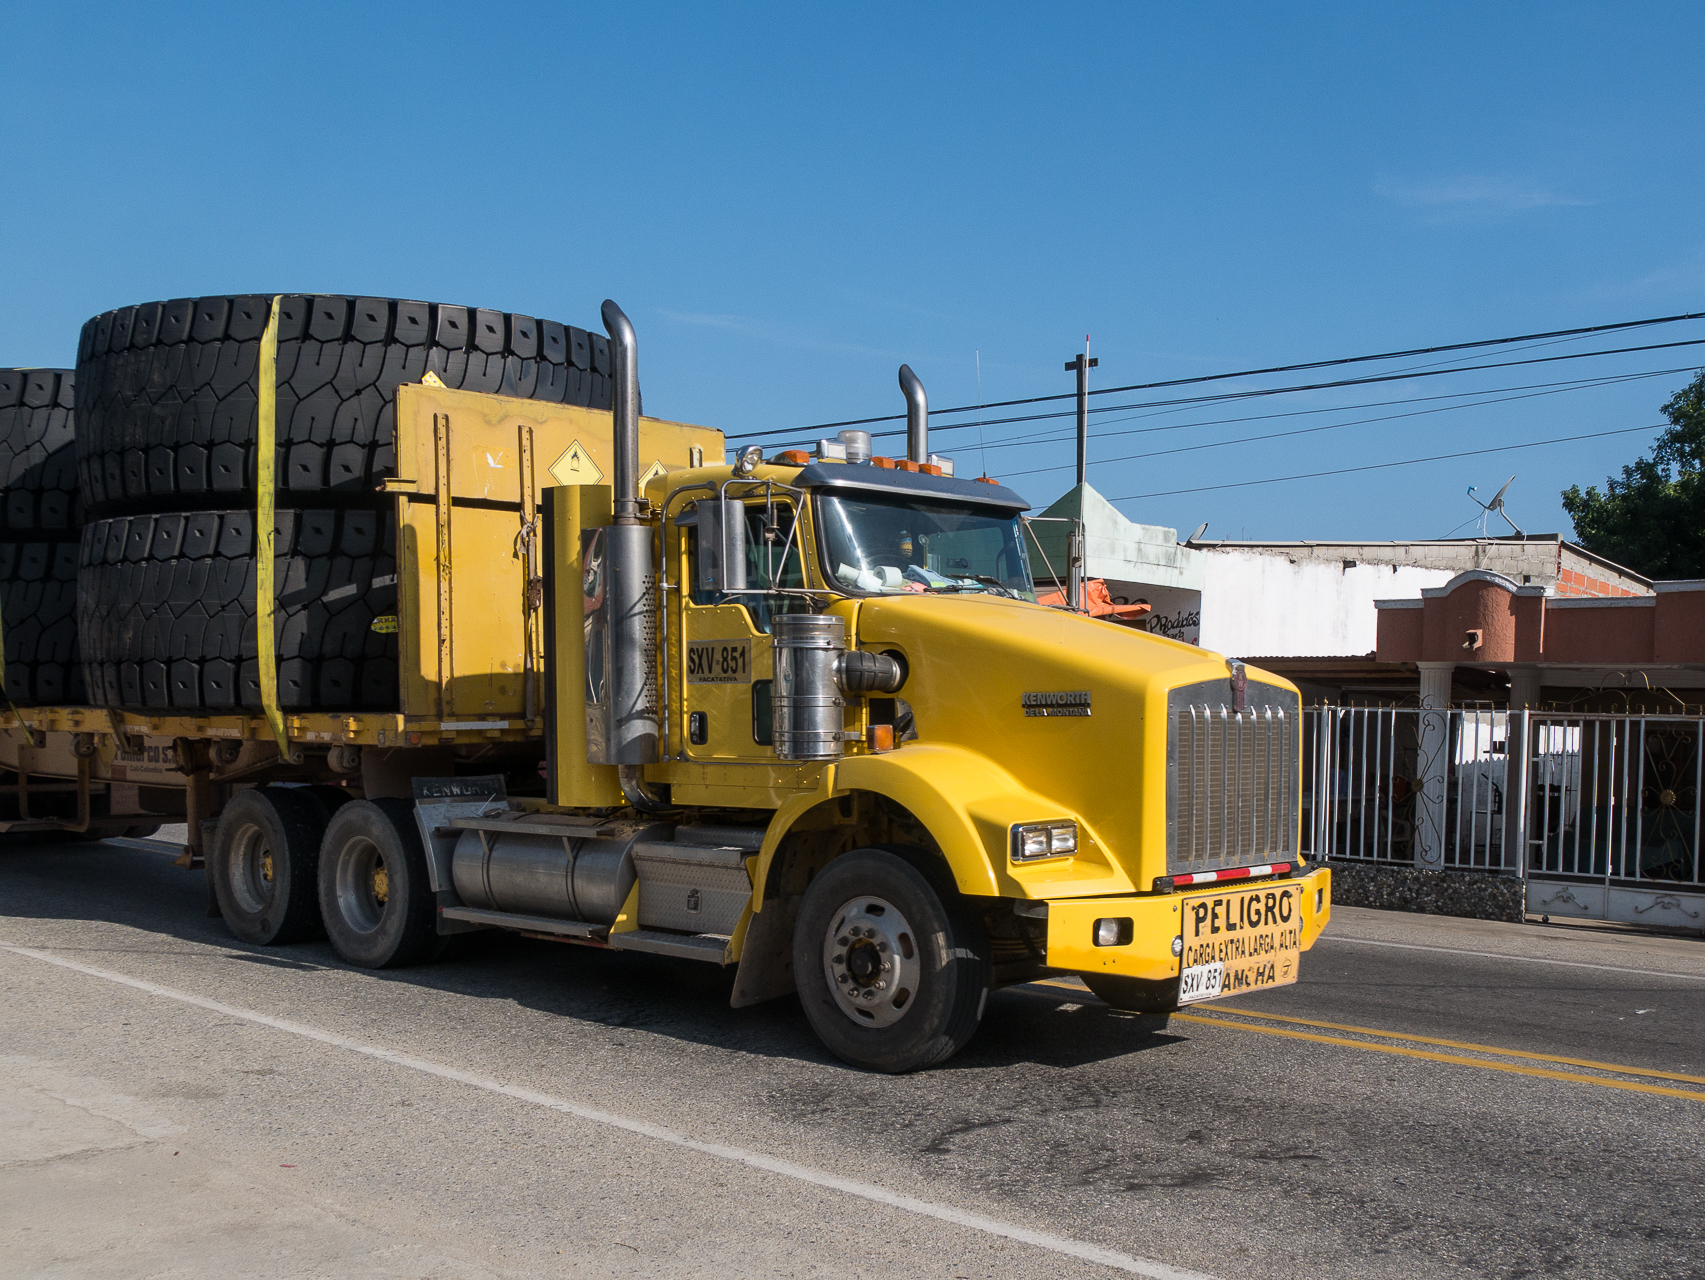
1574 583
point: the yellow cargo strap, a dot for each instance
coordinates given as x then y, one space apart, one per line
266 450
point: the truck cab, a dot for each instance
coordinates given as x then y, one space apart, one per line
944 785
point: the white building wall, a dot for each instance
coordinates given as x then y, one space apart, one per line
1262 605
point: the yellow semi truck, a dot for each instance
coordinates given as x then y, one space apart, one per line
798 715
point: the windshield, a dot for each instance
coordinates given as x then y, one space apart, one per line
875 544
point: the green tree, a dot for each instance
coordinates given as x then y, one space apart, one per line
1653 519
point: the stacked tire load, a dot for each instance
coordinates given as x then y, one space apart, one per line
166 453
39 527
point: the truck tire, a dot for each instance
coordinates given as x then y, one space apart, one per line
38 619
263 864
375 896
1155 1000
326 800
892 977
40 516
166 611
38 455
169 391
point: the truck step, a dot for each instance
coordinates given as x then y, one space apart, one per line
533 924
685 946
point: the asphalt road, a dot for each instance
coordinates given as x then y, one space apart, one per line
175 1104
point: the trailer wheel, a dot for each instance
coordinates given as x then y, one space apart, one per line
892 977
263 866
1155 1000
374 893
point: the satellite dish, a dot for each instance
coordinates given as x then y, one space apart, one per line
1200 530
1496 505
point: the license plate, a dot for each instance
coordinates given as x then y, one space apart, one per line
1201 982
1240 940
719 662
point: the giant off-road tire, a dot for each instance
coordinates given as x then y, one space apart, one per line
40 516
892 972
375 895
38 455
38 616
264 864
166 611
168 391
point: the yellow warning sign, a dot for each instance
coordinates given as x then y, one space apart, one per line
576 466
651 473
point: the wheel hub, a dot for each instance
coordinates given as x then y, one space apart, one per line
249 870
363 883
870 957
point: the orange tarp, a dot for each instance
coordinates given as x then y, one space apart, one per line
1098 601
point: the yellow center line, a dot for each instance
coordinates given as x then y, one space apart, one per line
1456 1059
1511 1067
1464 1044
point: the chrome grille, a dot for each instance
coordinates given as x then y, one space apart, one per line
1232 777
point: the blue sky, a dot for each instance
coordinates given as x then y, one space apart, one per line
791 200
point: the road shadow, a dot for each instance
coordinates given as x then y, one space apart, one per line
682 999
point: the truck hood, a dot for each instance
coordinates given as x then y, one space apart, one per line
1075 708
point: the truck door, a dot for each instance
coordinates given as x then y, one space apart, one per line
727 658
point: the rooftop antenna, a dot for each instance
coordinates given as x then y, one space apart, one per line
1200 530
1496 505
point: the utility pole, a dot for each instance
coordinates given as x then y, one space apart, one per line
1083 364
1077 551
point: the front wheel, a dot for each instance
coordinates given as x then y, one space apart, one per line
892 978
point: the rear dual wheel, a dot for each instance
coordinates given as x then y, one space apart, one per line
893 974
375 896
264 863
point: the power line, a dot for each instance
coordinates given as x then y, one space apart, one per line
1571 384
1289 390
1254 373
1381 466
1303 431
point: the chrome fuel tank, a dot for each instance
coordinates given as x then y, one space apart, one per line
565 877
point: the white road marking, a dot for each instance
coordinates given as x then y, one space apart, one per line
1498 955
769 1164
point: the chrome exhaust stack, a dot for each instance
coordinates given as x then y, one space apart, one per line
917 415
628 714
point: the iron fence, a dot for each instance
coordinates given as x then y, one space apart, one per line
1615 799
1609 799
1364 770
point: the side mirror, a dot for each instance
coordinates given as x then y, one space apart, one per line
722 544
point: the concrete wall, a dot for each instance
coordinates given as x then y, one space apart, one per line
1543 560
1280 605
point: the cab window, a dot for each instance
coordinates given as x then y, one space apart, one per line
765 544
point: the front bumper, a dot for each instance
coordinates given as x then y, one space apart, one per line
1155 921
